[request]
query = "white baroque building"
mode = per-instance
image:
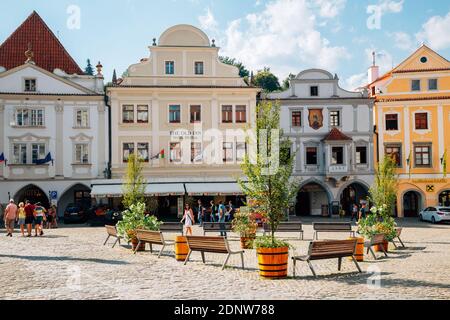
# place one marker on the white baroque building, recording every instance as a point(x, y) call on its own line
point(46, 112)
point(331, 131)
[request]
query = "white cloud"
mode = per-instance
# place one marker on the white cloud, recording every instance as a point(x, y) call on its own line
point(330, 8)
point(435, 32)
point(283, 36)
point(356, 81)
point(391, 6)
point(403, 40)
point(208, 21)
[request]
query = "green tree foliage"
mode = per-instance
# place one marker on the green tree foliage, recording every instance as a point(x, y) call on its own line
point(266, 80)
point(243, 72)
point(89, 70)
point(134, 182)
point(270, 187)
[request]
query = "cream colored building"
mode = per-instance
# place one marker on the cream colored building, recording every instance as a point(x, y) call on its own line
point(184, 103)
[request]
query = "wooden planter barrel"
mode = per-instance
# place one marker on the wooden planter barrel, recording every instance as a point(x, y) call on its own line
point(134, 243)
point(181, 248)
point(359, 252)
point(385, 245)
point(273, 262)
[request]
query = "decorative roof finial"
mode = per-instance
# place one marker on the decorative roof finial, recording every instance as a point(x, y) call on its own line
point(29, 54)
point(114, 78)
point(99, 69)
point(213, 43)
point(154, 42)
point(373, 59)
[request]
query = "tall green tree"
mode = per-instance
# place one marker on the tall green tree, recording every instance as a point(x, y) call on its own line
point(243, 71)
point(266, 80)
point(89, 70)
point(134, 182)
point(268, 171)
point(384, 189)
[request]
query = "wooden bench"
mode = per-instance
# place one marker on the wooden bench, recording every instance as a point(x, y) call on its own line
point(211, 245)
point(152, 238)
point(216, 227)
point(168, 227)
point(377, 240)
point(399, 233)
point(286, 227)
point(332, 227)
point(112, 232)
point(323, 250)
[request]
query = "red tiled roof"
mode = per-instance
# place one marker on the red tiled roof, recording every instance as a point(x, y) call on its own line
point(336, 135)
point(49, 53)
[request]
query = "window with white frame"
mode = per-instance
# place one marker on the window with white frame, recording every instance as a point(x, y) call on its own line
point(19, 153)
point(81, 153)
point(175, 113)
point(227, 152)
point(199, 68)
point(432, 84)
point(335, 118)
point(196, 113)
point(241, 114)
point(30, 85)
point(337, 155)
point(227, 114)
point(175, 152)
point(128, 113)
point(196, 152)
point(26, 117)
point(143, 151)
point(82, 118)
point(142, 113)
point(128, 149)
point(170, 67)
point(361, 155)
point(241, 151)
point(37, 152)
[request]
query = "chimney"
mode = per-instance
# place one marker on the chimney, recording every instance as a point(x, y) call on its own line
point(374, 70)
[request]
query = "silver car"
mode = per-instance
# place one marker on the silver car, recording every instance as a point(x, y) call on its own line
point(435, 214)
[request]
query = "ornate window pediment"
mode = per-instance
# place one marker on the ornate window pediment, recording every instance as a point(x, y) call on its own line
point(81, 138)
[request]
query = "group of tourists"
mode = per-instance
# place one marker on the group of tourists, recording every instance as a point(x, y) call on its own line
point(29, 216)
point(359, 213)
point(215, 213)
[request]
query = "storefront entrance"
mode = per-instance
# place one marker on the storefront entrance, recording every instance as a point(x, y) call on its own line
point(312, 200)
point(353, 194)
point(444, 198)
point(33, 194)
point(412, 204)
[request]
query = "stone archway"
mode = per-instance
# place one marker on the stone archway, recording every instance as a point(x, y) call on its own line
point(78, 194)
point(351, 194)
point(444, 198)
point(34, 194)
point(312, 199)
point(412, 203)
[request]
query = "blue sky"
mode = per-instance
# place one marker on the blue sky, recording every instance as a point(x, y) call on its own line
point(286, 35)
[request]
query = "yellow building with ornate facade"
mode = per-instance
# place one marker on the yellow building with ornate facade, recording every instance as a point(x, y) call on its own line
point(412, 117)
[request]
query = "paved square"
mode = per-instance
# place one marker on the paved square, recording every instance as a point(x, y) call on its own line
point(71, 263)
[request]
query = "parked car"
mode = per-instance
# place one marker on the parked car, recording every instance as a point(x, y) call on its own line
point(74, 214)
point(435, 214)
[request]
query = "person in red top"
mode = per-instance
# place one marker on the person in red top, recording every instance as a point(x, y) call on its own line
point(29, 217)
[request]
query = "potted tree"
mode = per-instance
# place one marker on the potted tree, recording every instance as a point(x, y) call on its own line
point(382, 195)
point(268, 169)
point(245, 225)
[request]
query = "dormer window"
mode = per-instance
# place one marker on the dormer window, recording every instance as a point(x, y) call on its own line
point(198, 66)
point(314, 90)
point(30, 85)
point(170, 67)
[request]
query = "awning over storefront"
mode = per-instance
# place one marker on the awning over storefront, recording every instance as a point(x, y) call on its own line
point(157, 189)
point(217, 188)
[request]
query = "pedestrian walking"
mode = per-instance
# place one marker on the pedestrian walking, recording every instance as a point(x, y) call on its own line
point(200, 212)
point(21, 217)
point(29, 216)
point(188, 219)
point(355, 210)
point(10, 217)
point(54, 216)
point(212, 217)
point(39, 219)
point(231, 211)
point(221, 217)
point(362, 211)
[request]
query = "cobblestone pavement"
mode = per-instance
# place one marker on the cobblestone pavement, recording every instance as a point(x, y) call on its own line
point(71, 263)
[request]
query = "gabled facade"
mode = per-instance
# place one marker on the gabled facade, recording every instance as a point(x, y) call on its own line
point(53, 123)
point(412, 115)
point(331, 131)
point(185, 104)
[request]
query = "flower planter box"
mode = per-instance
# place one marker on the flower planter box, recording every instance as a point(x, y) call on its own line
point(247, 242)
point(273, 262)
point(134, 244)
point(385, 245)
point(181, 248)
point(359, 252)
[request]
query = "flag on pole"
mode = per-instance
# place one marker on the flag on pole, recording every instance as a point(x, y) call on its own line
point(2, 158)
point(162, 154)
point(444, 163)
point(47, 159)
